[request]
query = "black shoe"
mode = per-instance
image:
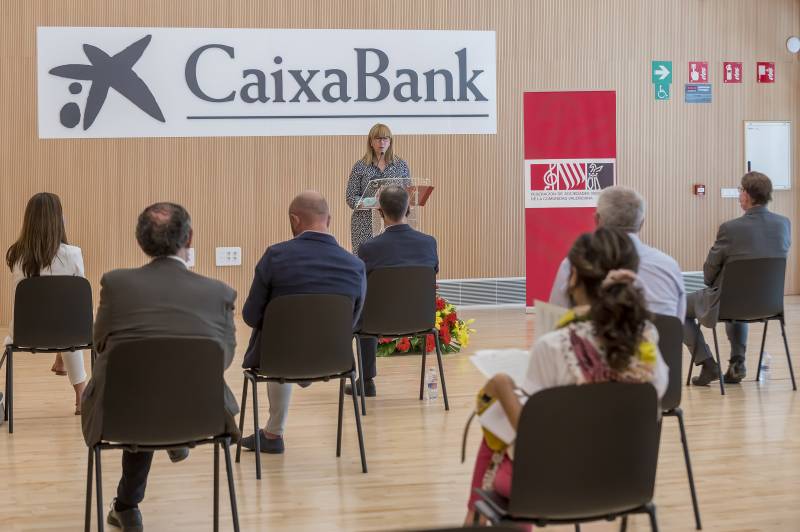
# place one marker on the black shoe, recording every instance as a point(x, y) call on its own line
point(268, 445)
point(709, 373)
point(128, 520)
point(736, 372)
point(178, 455)
point(369, 388)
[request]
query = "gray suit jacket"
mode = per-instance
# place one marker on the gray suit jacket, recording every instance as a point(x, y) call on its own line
point(756, 234)
point(162, 298)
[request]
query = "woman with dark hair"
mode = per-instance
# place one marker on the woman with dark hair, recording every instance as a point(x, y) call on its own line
point(605, 336)
point(379, 162)
point(42, 249)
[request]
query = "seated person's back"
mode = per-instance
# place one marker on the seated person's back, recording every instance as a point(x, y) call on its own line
point(398, 245)
point(310, 263)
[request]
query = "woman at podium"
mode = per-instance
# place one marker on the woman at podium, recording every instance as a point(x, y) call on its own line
point(379, 162)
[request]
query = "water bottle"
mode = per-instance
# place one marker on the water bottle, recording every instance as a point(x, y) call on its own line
point(766, 362)
point(431, 384)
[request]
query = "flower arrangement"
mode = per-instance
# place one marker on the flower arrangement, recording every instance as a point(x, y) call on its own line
point(453, 334)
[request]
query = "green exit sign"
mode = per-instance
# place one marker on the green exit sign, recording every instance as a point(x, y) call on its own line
point(662, 71)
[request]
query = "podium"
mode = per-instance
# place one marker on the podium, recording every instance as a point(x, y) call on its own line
point(419, 191)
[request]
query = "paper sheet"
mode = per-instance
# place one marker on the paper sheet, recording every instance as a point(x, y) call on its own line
point(547, 316)
point(514, 362)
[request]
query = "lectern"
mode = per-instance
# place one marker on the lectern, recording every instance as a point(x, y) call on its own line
point(419, 190)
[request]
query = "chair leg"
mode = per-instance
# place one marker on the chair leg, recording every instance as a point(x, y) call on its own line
point(361, 381)
point(698, 337)
point(358, 427)
point(651, 511)
point(231, 489)
point(422, 374)
point(99, 482)
point(719, 366)
point(441, 371)
point(788, 356)
point(695, 505)
point(87, 521)
point(623, 526)
point(256, 427)
point(10, 390)
point(216, 486)
point(761, 353)
point(241, 422)
point(339, 425)
point(577, 527)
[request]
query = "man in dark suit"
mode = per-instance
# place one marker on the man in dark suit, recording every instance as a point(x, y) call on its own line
point(398, 245)
point(162, 298)
point(310, 263)
point(759, 233)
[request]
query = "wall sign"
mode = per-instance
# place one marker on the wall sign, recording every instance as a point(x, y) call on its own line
point(697, 93)
point(731, 72)
point(662, 79)
point(698, 72)
point(193, 82)
point(765, 72)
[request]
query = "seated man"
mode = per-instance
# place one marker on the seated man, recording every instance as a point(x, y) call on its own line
point(162, 298)
point(310, 263)
point(659, 275)
point(398, 245)
point(756, 234)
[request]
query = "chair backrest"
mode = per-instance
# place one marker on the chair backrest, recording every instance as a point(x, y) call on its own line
point(400, 300)
point(670, 344)
point(307, 336)
point(162, 391)
point(585, 450)
point(752, 289)
point(53, 311)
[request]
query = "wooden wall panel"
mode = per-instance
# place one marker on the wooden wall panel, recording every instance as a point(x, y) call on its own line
point(237, 189)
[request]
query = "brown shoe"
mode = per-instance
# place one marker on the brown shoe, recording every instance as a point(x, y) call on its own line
point(736, 372)
point(709, 372)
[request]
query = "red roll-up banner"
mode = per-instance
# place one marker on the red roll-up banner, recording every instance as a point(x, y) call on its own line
point(570, 156)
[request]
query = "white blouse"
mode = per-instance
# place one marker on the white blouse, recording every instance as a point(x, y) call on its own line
point(68, 261)
point(553, 361)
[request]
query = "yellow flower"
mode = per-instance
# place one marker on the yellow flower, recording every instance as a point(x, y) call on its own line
point(647, 352)
point(568, 317)
point(439, 320)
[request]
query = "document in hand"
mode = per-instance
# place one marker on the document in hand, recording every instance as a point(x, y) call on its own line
point(490, 362)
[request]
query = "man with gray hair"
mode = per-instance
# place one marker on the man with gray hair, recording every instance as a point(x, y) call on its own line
point(623, 208)
point(162, 298)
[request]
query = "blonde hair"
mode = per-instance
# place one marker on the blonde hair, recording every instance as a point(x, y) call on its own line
point(379, 130)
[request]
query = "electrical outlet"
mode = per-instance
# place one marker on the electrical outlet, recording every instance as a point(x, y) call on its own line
point(229, 256)
point(190, 258)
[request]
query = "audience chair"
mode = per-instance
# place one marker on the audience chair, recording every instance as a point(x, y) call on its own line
point(160, 394)
point(51, 314)
point(752, 292)
point(401, 302)
point(582, 453)
point(670, 344)
point(289, 354)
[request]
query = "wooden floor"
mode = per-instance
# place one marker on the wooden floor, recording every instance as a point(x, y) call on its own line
point(745, 450)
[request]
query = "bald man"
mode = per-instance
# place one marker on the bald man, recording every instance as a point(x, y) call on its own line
point(310, 263)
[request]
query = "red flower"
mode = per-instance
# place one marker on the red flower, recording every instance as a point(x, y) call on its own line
point(430, 343)
point(451, 318)
point(403, 345)
point(440, 304)
point(384, 341)
point(444, 334)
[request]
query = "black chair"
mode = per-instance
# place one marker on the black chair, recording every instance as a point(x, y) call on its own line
point(582, 453)
point(401, 302)
point(670, 344)
point(163, 393)
point(289, 354)
point(51, 314)
point(752, 292)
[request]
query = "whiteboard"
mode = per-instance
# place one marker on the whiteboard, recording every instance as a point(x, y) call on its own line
point(767, 149)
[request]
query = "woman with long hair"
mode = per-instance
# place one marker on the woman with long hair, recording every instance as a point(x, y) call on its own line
point(42, 249)
point(605, 336)
point(379, 162)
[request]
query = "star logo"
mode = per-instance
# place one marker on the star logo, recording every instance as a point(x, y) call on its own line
point(107, 72)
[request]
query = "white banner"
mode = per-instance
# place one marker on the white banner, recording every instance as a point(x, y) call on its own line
point(194, 82)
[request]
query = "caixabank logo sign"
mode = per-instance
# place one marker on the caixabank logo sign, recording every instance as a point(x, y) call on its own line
point(162, 82)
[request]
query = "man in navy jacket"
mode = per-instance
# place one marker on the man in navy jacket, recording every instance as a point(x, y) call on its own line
point(310, 263)
point(398, 245)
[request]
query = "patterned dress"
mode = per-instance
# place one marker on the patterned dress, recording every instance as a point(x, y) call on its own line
point(361, 225)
